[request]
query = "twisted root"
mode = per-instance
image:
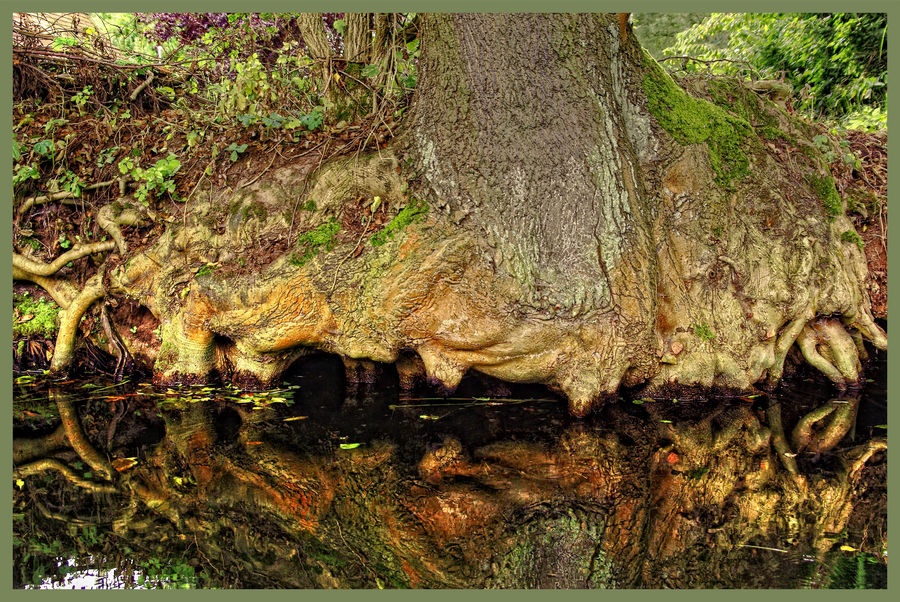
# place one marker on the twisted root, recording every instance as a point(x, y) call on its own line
point(120, 213)
point(69, 319)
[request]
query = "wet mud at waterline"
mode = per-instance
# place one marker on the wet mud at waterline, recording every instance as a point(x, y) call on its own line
point(330, 481)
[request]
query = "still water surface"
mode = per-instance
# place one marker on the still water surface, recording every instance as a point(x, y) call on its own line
point(321, 484)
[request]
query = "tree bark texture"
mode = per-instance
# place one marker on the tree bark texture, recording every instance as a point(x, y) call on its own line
point(556, 210)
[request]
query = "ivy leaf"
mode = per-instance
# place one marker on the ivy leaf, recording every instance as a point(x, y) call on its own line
point(45, 148)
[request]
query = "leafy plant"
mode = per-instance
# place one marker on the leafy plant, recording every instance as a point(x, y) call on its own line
point(81, 98)
point(157, 180)
point(45, 148)
point(836, 62)
point(235, 150)
point(24, 173)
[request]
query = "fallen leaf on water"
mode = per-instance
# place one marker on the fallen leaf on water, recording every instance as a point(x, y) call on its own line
point(121, 464)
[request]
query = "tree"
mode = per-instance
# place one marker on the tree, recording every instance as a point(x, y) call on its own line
point(555, 209)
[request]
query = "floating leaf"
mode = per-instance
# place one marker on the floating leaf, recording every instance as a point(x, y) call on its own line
point(349, 445)
point(121, 464)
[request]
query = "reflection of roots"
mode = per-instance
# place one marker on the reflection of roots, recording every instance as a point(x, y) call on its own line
point(855, 458)
point(842, 413)
point(45, 464)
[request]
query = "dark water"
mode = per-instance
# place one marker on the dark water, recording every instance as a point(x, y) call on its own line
point(321, 483)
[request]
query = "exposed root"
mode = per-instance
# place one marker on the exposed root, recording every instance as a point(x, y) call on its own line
point(39, 268)
point(65, 197)
point(62, 291)
point(45, 464)
point(69, 319)
point(115, 215)
point(116, 345)
point(866, 325)
point(784, 344)
point(807, 342)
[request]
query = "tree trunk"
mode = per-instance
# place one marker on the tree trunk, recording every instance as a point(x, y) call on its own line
point(556, 210)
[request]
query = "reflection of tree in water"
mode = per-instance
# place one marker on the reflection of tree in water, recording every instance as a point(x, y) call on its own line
point(730, 498)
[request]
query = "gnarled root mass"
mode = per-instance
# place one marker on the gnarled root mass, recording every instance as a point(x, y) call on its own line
point(714, 288)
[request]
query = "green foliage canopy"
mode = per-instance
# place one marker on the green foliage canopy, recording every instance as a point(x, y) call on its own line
point(836, 62)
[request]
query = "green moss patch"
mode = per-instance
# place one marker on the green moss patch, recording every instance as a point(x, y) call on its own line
point(34, 317)
point(854, 237)
point(827, 192)
point(693, 121)
point(408, 215)
point(310, 243)
point(704, 332)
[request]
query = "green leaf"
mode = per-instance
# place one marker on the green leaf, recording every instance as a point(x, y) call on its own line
point(340, 25)
point(349, 445)
point(413, 46)
point(371, 70)
point(45, 148)
point(17, 154)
